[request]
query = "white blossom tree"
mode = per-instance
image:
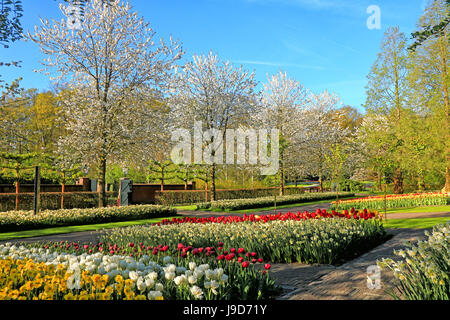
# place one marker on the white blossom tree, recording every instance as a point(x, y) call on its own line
point(283, 107)
point(323, 131)
point(219, 96)
point(113, 64)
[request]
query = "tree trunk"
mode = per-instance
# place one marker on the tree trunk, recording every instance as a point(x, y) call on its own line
point(443, 49)
point(213, 182)
point(380, 187)
point(102, 184)
point(17, 195)
point(320, 178)
point(398, 181)
point(281, 176)
point(63, 187)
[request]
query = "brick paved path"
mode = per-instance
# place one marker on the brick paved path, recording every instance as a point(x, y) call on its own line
point(345, 282)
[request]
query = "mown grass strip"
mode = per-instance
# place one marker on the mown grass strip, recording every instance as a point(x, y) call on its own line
point(417, 223)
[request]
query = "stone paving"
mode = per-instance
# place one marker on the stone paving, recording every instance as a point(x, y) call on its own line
point(345, 282)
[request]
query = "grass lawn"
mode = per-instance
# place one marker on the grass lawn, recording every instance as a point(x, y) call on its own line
point(419, 209)
point(418, 223)
point(69, 229)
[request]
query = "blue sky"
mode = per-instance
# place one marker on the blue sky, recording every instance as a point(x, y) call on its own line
point(324, 44)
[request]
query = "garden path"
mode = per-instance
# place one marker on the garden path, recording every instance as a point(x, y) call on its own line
point(345, 282)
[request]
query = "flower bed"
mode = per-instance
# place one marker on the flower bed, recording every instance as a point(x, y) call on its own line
point(287, 239)
point(394, 201)
point(424, 272)
point(352, 214)
point(26, 220)
point(38, 273)
point(241, 204)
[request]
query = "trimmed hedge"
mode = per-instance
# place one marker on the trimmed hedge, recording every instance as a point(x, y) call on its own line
point(26, 220)
point(242, 204)
point(170, 198)
point(52, 201)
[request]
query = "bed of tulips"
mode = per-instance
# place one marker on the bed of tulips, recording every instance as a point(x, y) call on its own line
point(278, 238)
point(39, 273)
point(394, 201)
point(423, 273)
point(27, 220)
point(318, 214)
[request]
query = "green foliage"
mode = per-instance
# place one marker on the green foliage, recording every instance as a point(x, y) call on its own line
point(351, 186)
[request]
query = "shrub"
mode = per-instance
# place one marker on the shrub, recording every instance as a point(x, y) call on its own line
point(242, 204)
point(351, 186)
point(26, 220)
point(52, 200)
point(424, 272)
point(170, 198)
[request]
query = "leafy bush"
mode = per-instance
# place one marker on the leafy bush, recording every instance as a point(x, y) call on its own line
point(424, 272)
point(52, 201)
point(242, 204)
point(351, 186)
point(26, 220)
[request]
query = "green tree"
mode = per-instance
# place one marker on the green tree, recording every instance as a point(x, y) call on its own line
point(386, 93)
point(429, 81)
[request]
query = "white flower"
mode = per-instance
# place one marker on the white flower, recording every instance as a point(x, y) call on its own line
point(192, 266)
point(155, 295)
point(192, 280)
point(213, 285)
point(133, 275)
point(159, 287)
point(149, 283)
point(197, 292)
point(152, 275)
point(140, 284)
point(169, 275)
point(210, 274)
point(180, 280)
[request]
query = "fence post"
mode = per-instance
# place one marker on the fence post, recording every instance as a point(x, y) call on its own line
point(17, 195)
point(37, 187)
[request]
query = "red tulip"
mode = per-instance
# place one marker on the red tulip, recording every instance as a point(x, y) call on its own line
point(245, 264)
point(267, 266)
